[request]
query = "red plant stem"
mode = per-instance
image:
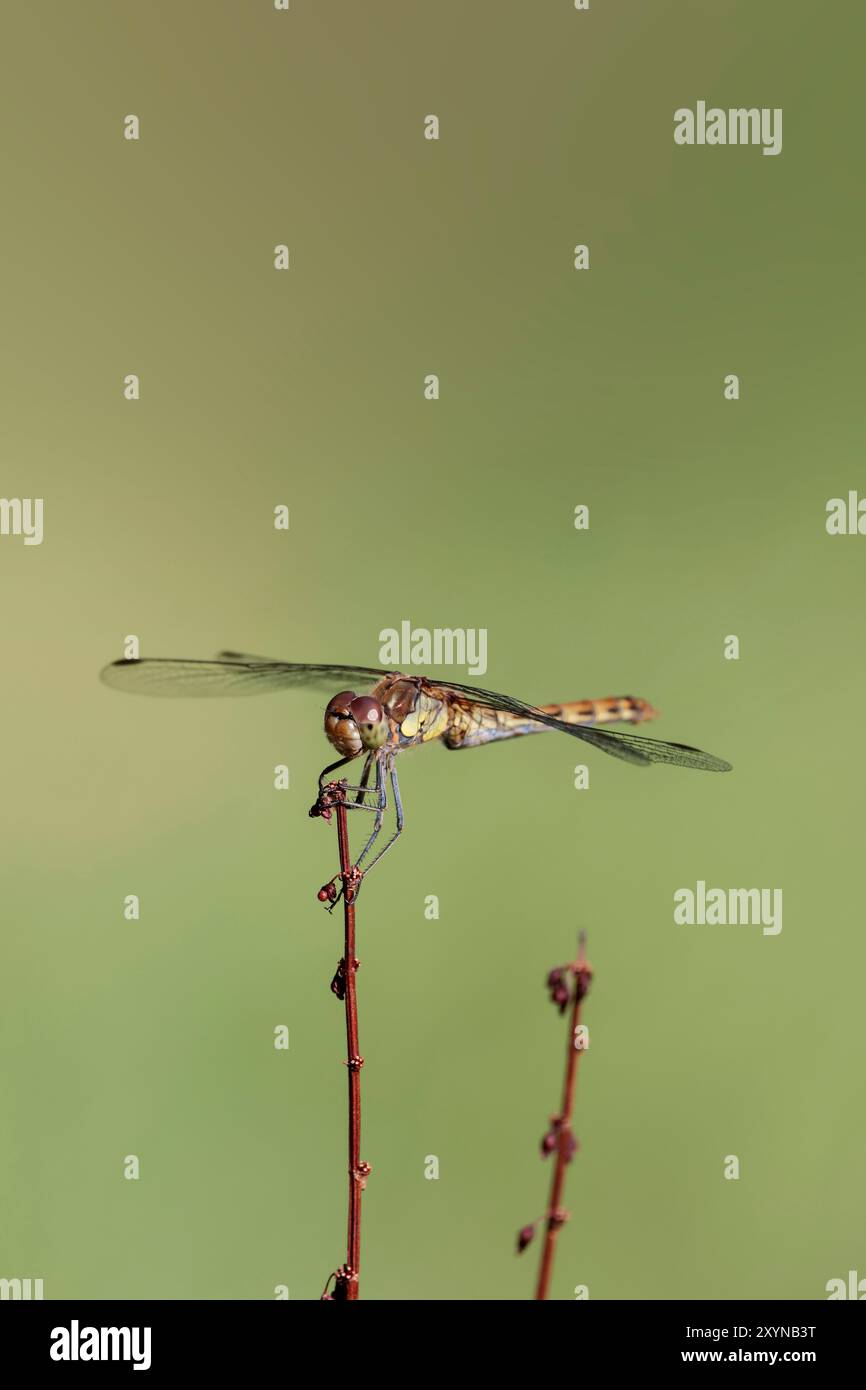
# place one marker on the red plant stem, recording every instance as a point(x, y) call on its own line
point(556, 1216)
point(354, 1061)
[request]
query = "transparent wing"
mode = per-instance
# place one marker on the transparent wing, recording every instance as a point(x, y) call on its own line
point(632, 748)
point(230, 674)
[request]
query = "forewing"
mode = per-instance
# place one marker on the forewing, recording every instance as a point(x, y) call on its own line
point(632, 748)
point(230, 674)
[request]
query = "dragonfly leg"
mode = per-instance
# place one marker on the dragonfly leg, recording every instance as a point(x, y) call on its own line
point(365, 777)
point(398, 811)
point(341, 762)
point(325, 800)
point(359, 804)
point(324, 805)
point(381, 802)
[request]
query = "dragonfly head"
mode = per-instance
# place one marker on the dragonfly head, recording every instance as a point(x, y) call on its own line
point(354, 723)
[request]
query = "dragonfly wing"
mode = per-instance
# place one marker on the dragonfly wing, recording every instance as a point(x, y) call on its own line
point(230, 674)
point(632, 748)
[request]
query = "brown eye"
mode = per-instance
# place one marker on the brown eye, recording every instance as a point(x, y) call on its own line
point(370, 722)
point(340, 704)
point(365, 710)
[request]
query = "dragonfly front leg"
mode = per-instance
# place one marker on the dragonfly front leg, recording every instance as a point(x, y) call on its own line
point(332, 767)
point(362, 787)
point(359, 804)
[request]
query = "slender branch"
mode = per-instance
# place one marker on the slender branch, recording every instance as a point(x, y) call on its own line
point(347, 1278)
point(560, 1138)
point(354, 1061)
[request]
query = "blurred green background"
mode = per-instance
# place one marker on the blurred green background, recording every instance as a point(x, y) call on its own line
point(306, 388)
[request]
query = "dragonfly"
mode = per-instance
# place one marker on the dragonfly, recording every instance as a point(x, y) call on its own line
point(404, 711)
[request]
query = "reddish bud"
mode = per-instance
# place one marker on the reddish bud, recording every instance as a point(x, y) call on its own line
point(583, 975)
point(524, 1238)
point(558, 987)
point(338, 984)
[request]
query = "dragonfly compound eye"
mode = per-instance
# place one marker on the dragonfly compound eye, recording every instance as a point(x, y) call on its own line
point(340, 727)
point(369, 716)
point(341, 704)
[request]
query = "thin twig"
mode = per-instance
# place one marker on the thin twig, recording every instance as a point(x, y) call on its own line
point(560, 1138)
point(347, 1277)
